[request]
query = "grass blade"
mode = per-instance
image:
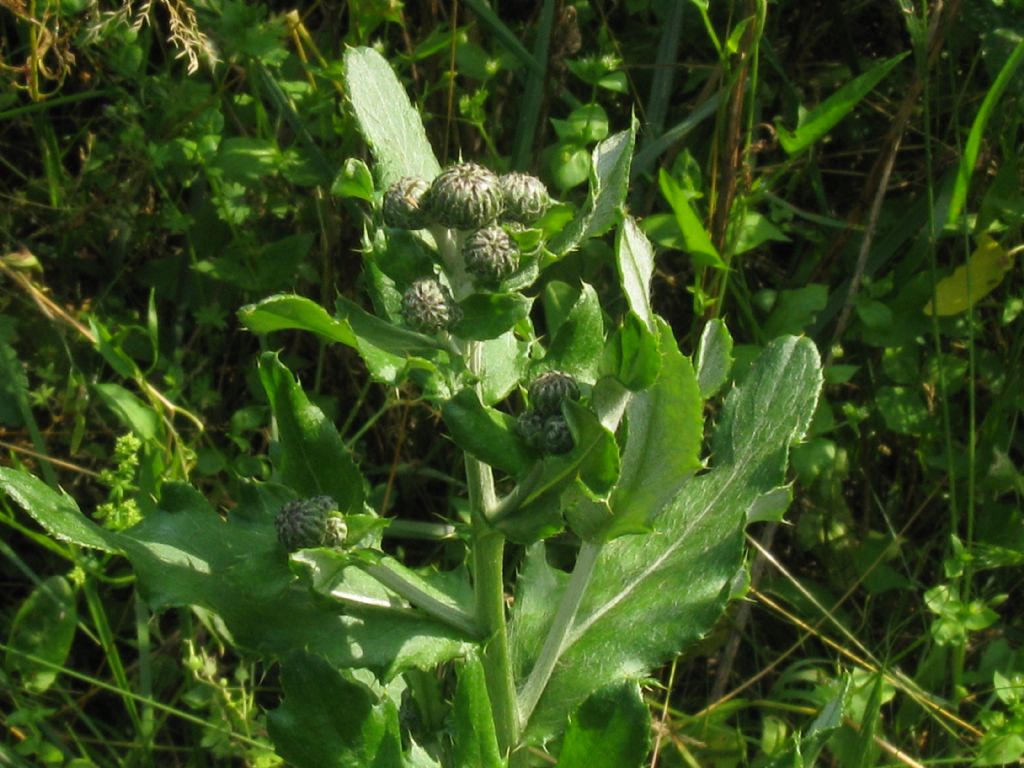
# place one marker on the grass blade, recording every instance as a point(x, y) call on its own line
point(827, 115)
point(970, 155)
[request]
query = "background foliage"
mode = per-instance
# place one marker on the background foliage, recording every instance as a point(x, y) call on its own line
point(849, 171)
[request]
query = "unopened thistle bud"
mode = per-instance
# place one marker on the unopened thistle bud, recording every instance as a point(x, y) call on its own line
point(428, 306)
point(556, 437)
point(549, 390)
point(314, 522)
point(465, 196)
point(490, 255)
point(405, 204)
point(526, 197)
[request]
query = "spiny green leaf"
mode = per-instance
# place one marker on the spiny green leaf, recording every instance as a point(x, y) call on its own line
point(652, 595)
point(390, 124)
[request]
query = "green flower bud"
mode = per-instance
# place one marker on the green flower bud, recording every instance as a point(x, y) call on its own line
point(405, 204)
point(526, 197)
point(530, 427)
point(556, 437)
point(549, 390)
point(428, 306)
point(314, 522)
point(465, 196)
point(490, 254)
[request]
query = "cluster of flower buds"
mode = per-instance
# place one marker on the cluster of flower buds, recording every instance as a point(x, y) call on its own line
point(543, 425)
point(469, 198)
point(313, 522)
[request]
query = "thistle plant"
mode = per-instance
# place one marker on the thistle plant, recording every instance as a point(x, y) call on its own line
point(571, 421)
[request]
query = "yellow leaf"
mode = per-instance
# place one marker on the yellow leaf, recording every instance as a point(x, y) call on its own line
point(986, 268)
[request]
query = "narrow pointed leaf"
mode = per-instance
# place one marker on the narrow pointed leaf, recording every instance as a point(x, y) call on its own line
point(824, 117)
point(476, 741)
point(634, 256)
point(714, 358)
point(609, 179)
point(56, 512)
point(291, 312)
point(313, 458)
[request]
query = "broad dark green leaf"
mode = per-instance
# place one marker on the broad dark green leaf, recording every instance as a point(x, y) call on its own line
point(43, 627)
point(390, 124)
point(663, 444)
point(825, 116)
point(796, 309)
point(609, 181)
point(313, 459)
point(328, 720)
point(186, 554)
point(611, 729)
point(577, 344)
point(652, 595)
point(489, 315)
point(634, 256)
point(486, 434)
point(476, 742)
point(714, 358)
point(290, 312)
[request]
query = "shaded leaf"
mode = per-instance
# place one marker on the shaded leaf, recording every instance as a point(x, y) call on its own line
point(611, 729)
point(663, 444)
point(486, 434)
point(577, 344)
point(328, 720)
point(43, 627)
point(489, 315)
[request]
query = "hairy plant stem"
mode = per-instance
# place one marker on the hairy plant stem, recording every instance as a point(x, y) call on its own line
point(561, 626)
point(489, 591)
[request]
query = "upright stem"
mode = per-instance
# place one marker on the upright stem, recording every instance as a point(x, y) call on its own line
point(489, 587)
